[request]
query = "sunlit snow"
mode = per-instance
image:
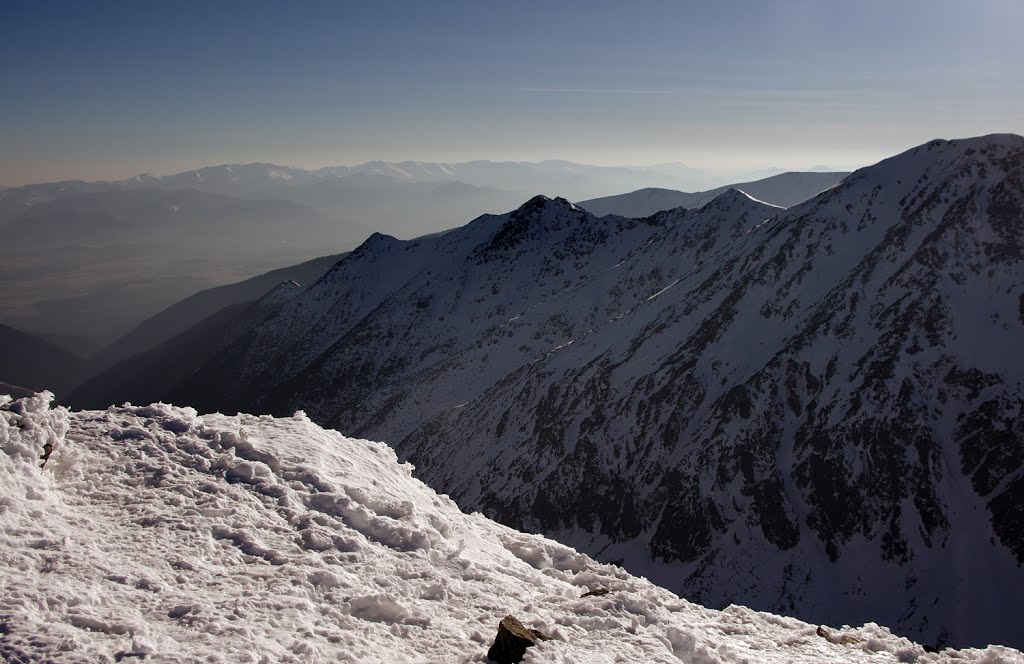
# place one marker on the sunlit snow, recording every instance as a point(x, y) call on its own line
point(155, 533)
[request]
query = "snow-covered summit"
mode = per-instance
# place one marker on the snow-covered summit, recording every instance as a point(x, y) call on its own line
point(733, 197)
point(980, 160)
point(155, 533)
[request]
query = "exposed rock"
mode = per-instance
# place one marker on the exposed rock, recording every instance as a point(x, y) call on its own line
point(596, 592)
point(512, 641)
point(47, 451)
point(838, 639)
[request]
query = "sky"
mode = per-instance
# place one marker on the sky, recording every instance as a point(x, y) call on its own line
point(102, 90)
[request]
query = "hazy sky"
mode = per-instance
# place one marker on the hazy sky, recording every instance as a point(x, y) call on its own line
point(108, 89)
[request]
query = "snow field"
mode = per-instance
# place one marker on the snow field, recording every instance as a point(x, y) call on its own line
point(157, 534)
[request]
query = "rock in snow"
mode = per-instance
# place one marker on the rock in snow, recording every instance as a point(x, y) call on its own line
point(512, 641)
point(157, 534)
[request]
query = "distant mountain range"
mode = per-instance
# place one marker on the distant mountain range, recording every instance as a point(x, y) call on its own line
point(273, 181)
point(815, 410)
point(90, 266)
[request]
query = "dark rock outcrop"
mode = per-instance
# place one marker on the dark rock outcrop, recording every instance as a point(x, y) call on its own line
point(512, 641)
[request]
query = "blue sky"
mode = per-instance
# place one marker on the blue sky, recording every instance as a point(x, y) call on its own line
point(109, 89)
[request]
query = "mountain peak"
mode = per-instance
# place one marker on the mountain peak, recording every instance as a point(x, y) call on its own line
point(532, 220)
point(376, 243)
point(541, 202)
point(732, 197)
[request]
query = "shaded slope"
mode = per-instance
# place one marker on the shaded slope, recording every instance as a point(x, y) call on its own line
point(35, 363)
point(149, 375)
point(821, 417)
point(396, 317)
point(182, 315)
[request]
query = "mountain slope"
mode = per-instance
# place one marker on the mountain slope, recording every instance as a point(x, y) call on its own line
point(153, 533)
point(819, 415)
point(441, 292)
point(785, 190)
point(29, 361)
point(182, 315)
point(149, 374)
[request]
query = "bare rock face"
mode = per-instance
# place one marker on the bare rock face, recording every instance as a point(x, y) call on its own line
point(512, 641)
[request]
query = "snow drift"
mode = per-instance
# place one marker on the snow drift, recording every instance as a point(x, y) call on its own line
point(154, 533)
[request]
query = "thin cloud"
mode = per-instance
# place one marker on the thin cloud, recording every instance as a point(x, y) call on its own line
point(606, 91)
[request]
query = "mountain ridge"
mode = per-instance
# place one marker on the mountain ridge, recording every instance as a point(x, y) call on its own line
point(784, 190)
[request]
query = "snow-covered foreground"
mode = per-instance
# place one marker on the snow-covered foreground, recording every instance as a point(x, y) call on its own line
point(155, 533)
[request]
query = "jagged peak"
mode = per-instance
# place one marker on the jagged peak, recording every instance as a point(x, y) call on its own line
point(533, 219)
point(540, 203)
point(377, 240)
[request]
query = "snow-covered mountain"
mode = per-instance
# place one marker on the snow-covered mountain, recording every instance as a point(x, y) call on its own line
point(813, 410)
point(784, 189)
point(823, 418)
point(157, 534)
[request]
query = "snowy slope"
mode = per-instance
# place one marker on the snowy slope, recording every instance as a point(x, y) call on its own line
point(394, 308)
point(157, 534)
point(825, 417)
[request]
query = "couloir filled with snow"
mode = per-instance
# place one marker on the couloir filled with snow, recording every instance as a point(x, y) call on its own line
point(153, 532)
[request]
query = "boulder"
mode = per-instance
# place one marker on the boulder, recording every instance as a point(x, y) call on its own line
point(512, 641)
